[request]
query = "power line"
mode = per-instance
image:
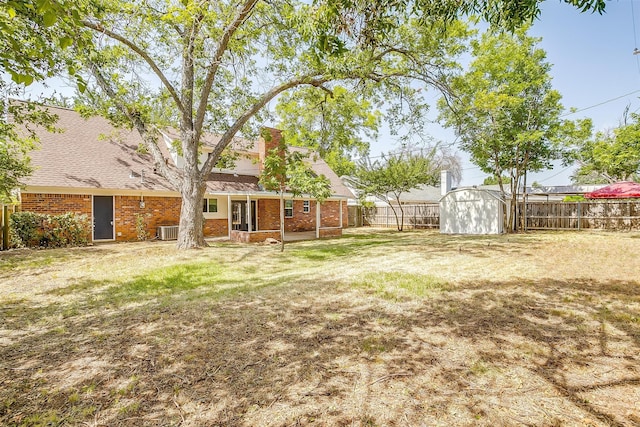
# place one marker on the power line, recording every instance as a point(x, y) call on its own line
point(600, 103)
point(555, 174)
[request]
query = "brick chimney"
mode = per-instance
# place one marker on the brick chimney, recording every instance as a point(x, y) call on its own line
point(270, 138)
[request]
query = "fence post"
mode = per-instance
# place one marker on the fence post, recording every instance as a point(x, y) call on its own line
point(5, 227)
point(579, 215)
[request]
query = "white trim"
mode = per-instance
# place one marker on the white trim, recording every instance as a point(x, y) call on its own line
point(113, 219)
point(249, 214)
point(157, 193)
point(318, 219)
point(285, 208)
point(229, 213)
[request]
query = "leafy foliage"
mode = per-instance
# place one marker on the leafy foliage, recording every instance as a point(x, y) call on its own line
point(15, 146)
point(334, 123)
point(29, 229)
point(398, 172)
point(505, 111)
point(610, 156)
point(286, 170)
point(215, 65)
point(34, 35)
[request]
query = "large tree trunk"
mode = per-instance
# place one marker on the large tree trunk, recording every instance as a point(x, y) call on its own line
point(190, 233)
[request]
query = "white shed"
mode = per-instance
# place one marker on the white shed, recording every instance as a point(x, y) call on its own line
point(472, 211)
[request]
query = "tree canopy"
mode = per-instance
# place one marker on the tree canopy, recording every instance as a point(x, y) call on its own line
point(33, 37)
point(505, 111)
point(609, 156)
point(336, 123)
point(213, 66)
point(398, 172)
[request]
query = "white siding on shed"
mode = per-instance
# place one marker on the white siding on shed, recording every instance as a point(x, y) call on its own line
point(471, 211)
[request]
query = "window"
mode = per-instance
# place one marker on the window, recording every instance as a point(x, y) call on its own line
point(306, 206)
point(288, 208)
point(210, 205)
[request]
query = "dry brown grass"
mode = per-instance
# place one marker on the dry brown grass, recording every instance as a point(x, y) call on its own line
point(374, 329)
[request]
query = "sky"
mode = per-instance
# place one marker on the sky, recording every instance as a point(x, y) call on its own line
point(593, 68)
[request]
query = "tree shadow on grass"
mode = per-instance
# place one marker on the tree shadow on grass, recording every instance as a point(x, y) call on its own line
point(495, 353)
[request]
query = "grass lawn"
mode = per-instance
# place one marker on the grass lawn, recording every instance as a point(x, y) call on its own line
point(377, 328)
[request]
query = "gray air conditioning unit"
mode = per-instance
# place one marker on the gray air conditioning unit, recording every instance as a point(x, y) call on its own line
point(168, 232)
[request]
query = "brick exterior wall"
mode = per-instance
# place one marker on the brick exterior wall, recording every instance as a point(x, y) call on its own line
point(269, 214)
point(157, 211)
point(254, 236)
point(301, 221)
point(330, 212)
point(56, 204)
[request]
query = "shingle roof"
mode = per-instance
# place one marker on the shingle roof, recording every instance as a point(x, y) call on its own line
point(93, 154)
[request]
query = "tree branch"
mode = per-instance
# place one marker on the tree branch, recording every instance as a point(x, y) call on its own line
point(131, 45)
point(243, 14)
point(148, 137)
point(242, 120)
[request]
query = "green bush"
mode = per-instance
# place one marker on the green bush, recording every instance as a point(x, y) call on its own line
point(574, 198)
point(30, 229)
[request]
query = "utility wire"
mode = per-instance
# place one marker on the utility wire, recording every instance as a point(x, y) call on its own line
point(599, 104)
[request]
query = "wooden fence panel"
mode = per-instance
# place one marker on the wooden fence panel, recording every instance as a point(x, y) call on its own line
point(415, 216)
point(603, 215)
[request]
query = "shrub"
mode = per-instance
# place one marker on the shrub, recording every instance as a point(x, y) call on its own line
point(30, 229)
point(24, 229)
point(141, 227)
point(574, 198)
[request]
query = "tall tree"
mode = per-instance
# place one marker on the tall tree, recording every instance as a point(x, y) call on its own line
point(505, 111)
point(401, 171)
point(203, 66)
point(336, 123)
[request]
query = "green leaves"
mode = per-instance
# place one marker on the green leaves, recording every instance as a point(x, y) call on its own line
point(610, 156)
point(334, 123)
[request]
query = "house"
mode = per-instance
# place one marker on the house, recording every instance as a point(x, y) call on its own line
point(95, 169)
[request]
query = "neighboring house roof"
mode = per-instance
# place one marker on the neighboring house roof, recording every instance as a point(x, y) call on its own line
point(423, 194)
point(563, 189)
point(619, 190)
point(91, 153)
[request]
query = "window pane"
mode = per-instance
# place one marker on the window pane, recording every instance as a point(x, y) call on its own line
point(204, 205)
point(288, 208)
point(213, 205)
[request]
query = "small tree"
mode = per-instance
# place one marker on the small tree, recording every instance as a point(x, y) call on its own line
point(401, 171)
point(285, 171)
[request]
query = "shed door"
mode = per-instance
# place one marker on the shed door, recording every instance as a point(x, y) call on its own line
point(102, 217)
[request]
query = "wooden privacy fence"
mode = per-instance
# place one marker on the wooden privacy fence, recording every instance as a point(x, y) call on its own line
point(605, 215)
point(415, 216)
